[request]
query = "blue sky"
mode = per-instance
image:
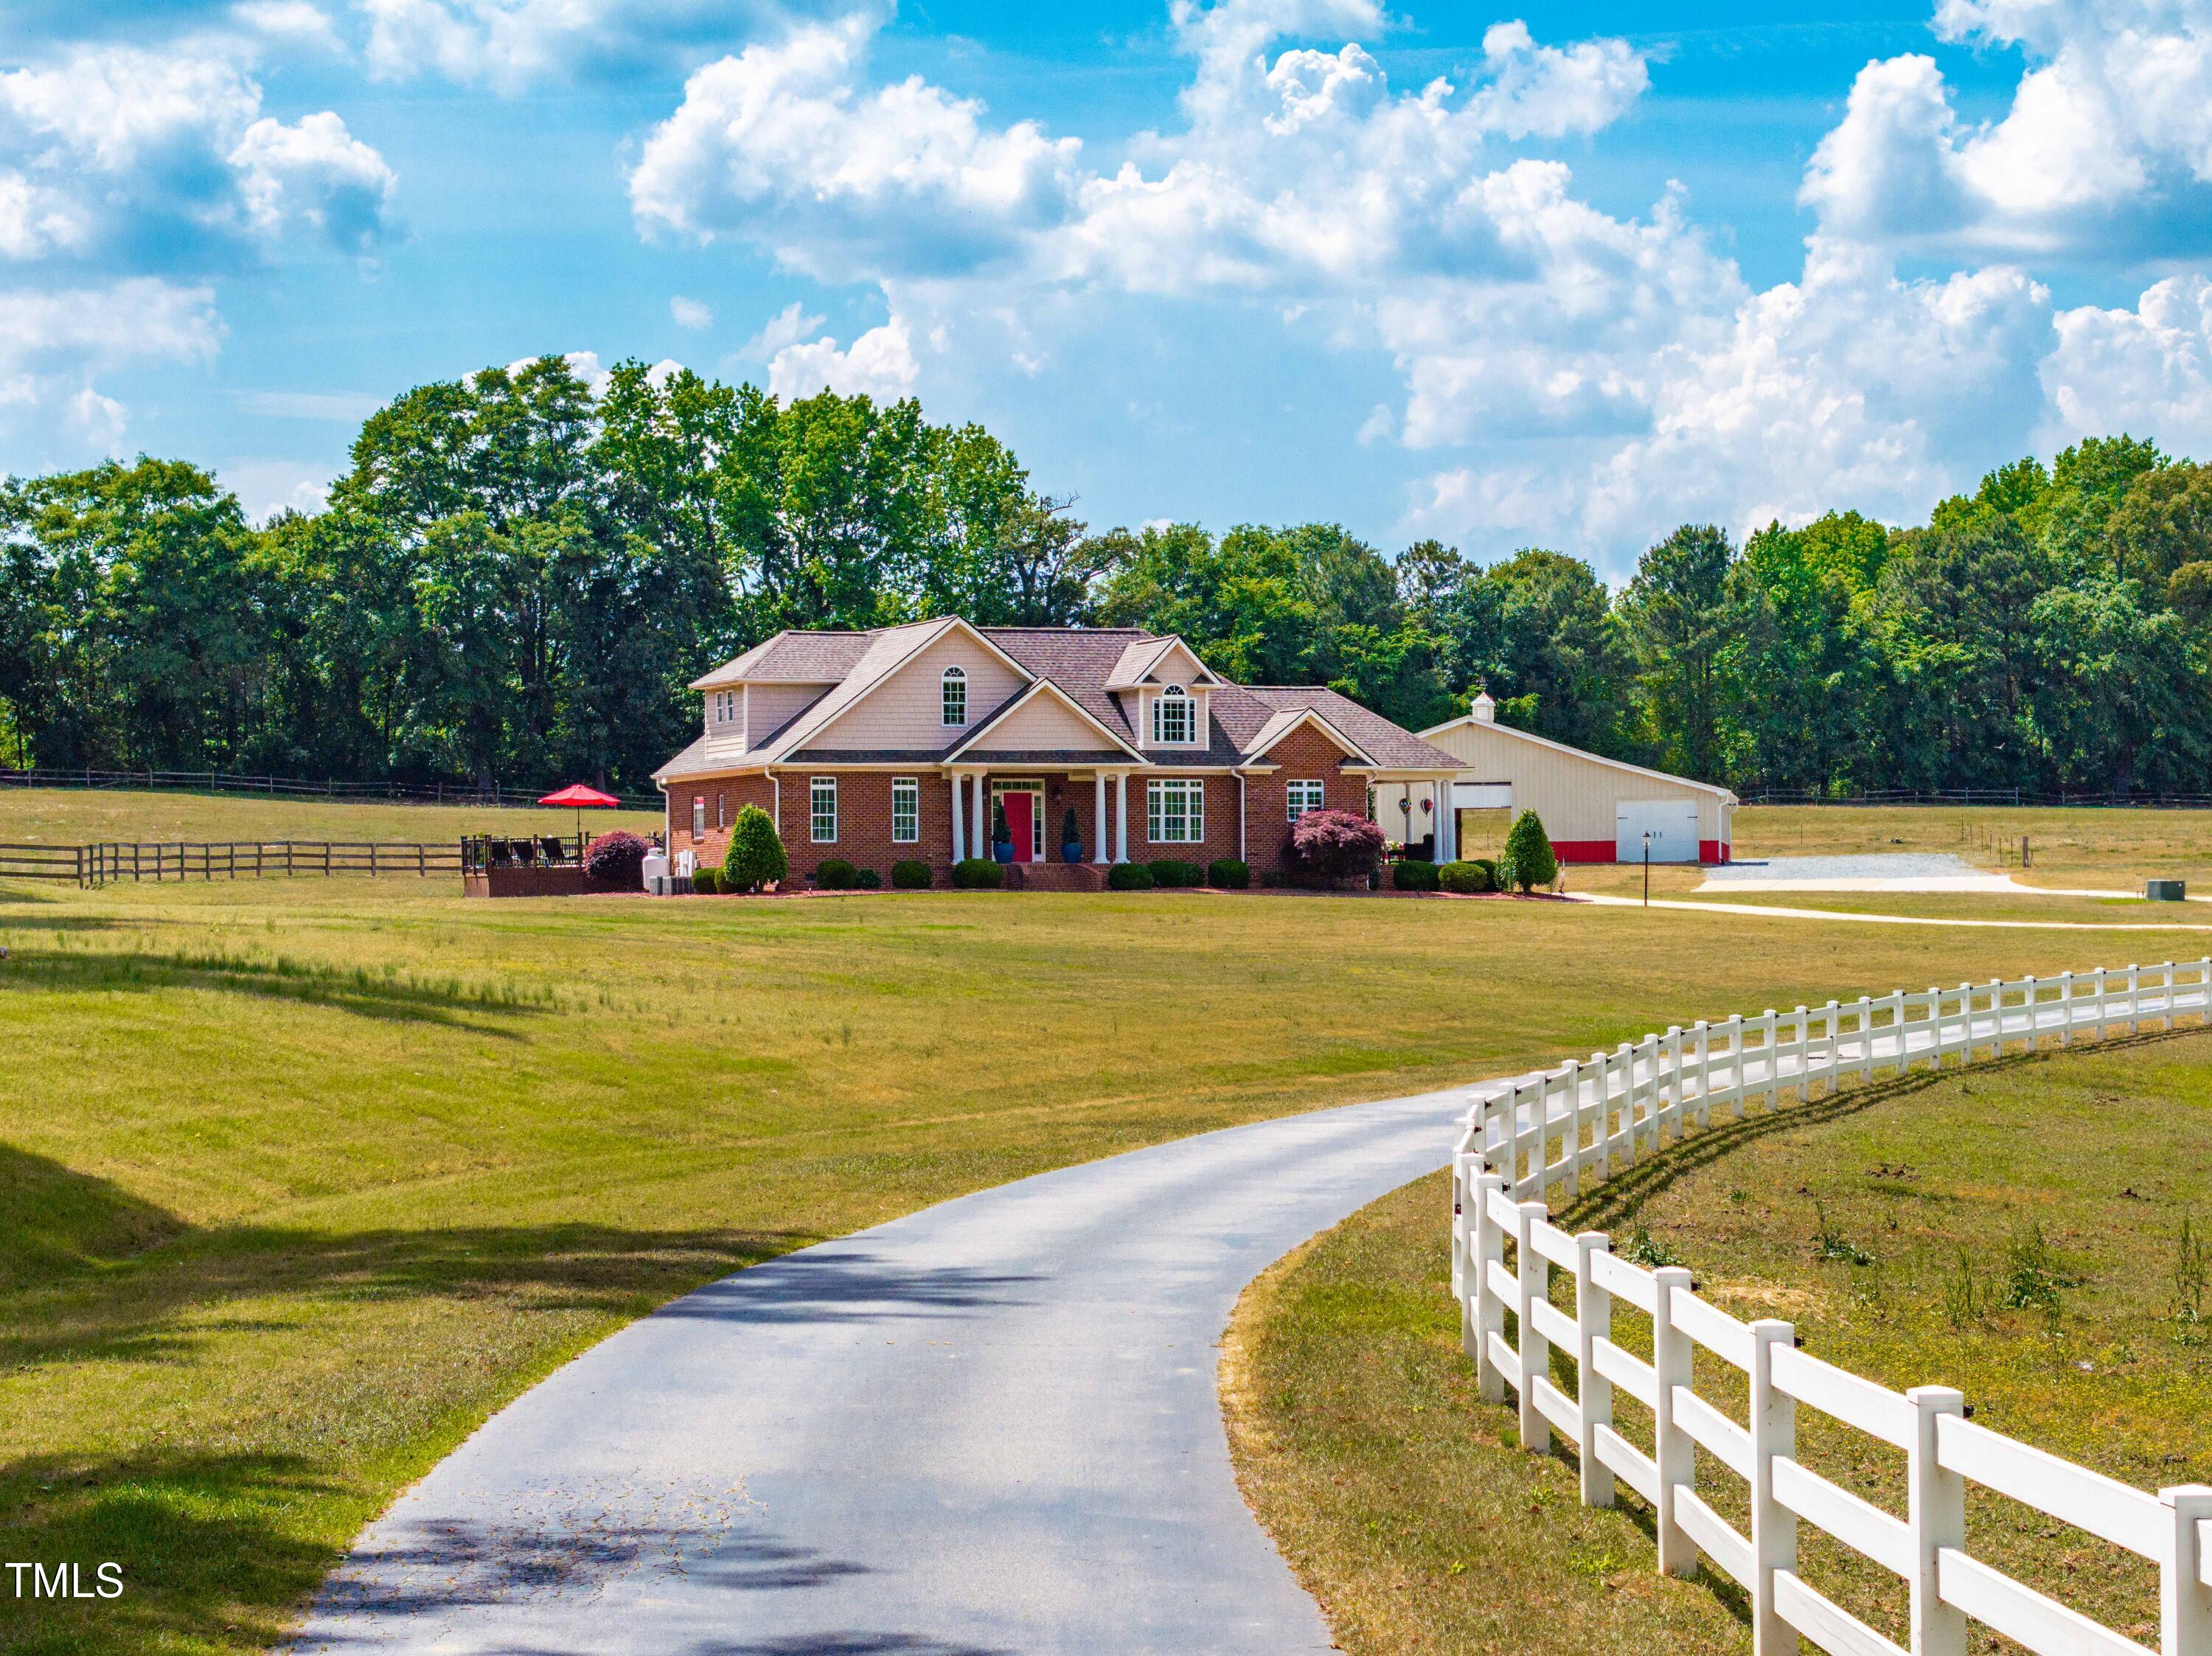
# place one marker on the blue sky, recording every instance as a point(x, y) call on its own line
point(1564, 276)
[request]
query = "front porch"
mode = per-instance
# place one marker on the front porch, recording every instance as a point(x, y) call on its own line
point(1034, 803)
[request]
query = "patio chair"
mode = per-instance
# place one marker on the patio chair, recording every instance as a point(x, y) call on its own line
point(555, 851)
point(499, 853)
point(525, 852)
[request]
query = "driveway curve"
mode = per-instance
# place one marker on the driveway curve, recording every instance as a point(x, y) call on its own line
point(988, 1427)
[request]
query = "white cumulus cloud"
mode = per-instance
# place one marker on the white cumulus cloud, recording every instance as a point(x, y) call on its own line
point(879, 364)
point(53, 345)
point(691, 312)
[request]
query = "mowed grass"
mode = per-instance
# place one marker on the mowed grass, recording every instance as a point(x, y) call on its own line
point(299, 1179)
point(82, 816)
point(2013, 1230)
point(2119, 849)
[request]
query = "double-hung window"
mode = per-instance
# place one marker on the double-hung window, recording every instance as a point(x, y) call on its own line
point(1171, 717)
point(1303, 796)
point(698, 814)
point(1175, 810)
point(821, 809)
point(956, 696)
point(721, 810)
point(906, 810)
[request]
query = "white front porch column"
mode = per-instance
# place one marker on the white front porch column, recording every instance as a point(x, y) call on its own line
point(1447, 825)
point(959, 835)
point(1120, 817)
point(983, 843)
point(1098, 843)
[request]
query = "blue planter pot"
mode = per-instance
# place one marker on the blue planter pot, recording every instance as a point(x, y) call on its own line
point(1071, 851)
point(1003, 851)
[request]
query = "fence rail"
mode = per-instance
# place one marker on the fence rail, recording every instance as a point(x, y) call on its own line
point(1621, 1106)
point(1758, 795)
point(107, 861)
point(404, 794)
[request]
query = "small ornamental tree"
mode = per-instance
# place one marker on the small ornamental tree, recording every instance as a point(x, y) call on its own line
point(1327, 846)
point(616, 862)
point(1529, 854)
point(755, 856)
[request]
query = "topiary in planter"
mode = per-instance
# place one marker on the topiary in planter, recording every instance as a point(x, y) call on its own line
point(1528, 855)
point(755, 856)
point(616, 862)
point(978, 874)
point(1412, 876)
point(1227, 874)
point(835, 873)
point(1468, 879)
point(910, 874)
point(1128, 877)
point(1326, 846)
point(1071, 838)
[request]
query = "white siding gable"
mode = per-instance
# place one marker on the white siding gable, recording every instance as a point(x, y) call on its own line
point(906, 711)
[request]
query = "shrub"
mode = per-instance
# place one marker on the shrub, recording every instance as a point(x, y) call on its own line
point(1227, 874)
point(978, 874)
point(1529, 854)
point(755, 856)
point(1169, 873)
point(910, 874)
point(835, 873)
point(706, 882)
point(1489, 866)
point(616, 862)
point(868, 880)
point(1128, 877)
point(1334, 845)
point(1465, 878)
point(1412, 875)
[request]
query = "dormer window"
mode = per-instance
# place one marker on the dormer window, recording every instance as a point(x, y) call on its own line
point(956, 695)
point(1171, 717)
point(726, 706)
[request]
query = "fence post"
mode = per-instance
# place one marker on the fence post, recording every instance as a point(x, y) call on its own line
point(1669, 1064)
point(1896, 1028)
point(1773, 1421)
point(1604, 1103)
point(1464, 1163)
point(1534, 1281)
point(1835, 1052)
point(1770, 1026)
point(2204, 990)
point(1674, 1452)
point(2169, 994)
point(1593, 1391)
point(1736, 1063)
point(1489, 1310)
point(2034, 1012)
point(1704, 1072)
point(2066, 1009)
point(1866, 1038)
point(1804, 1054)
point(1935, 1513)
point(2184, 1596)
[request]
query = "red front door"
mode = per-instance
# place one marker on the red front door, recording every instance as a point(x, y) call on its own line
point(1021, 823)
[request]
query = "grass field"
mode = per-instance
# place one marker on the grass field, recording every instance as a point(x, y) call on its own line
point(299, 1179)
point(2013, 1230)
point(74, 817)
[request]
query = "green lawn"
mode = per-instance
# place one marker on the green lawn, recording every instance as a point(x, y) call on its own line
point(2013, 1230)
point(80, 816)
point(299, 1179)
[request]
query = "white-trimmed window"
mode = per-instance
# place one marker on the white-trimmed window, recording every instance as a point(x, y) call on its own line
point(698, 816)
point(1171, 717)
point(726, 706)
point(906, 810)
point(956, 695)
point(1303, 796)
point(721, 810)
point(821, 809)
point(1174, 808)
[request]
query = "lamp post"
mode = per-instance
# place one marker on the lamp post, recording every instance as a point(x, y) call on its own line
point(1647, 868)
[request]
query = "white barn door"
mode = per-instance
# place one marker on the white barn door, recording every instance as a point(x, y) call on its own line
point(1672, 823)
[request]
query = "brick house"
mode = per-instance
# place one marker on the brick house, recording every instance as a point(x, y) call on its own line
point(911, 742)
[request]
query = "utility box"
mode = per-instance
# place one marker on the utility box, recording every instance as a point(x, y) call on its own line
point(2166, 891)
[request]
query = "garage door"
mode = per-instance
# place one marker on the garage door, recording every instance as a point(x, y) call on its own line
point(1672, 823)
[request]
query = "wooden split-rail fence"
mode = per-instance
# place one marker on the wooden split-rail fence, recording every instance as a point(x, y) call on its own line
point(1579, 1123)
point(108, 861)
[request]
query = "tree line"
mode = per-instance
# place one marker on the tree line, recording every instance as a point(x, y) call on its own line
point(517, 576)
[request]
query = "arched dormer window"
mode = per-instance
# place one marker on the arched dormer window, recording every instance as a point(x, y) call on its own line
point(956, 695)
point(1171, 720)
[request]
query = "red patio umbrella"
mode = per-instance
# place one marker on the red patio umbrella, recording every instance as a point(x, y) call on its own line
point(579, 796)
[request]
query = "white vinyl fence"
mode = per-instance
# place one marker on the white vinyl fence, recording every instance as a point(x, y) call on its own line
point(1578, 1122)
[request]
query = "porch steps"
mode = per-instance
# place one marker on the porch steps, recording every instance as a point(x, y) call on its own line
point(1055, 877)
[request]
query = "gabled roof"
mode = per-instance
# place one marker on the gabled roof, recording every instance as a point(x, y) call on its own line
point(1136, 662)
point(1531, 737)
point(791, 657)
point(1392, 747)
point(1283, 721)
point(1038, 687)
point(888, 650)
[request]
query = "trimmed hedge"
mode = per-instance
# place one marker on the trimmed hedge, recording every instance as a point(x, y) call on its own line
point(706, 882)
point(868, 880)
point(1227, 874)
point(1169, 873)
point(1128, 877)
point(1412, 876)
point(835, 873)
point(755, 856)
point(910, 874)
point(1468, 879)
point(978, 874)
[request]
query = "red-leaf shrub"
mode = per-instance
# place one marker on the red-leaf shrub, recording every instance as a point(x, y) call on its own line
point(1334, 845)
point(616, 862)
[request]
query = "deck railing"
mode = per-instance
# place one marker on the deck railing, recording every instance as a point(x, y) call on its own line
point(1619, 1106)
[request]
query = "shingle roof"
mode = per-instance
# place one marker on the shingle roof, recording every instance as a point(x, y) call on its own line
point(824, 658)
point(1392, 746)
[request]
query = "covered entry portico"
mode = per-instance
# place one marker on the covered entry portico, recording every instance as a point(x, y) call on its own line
point(1045, 794)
